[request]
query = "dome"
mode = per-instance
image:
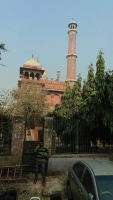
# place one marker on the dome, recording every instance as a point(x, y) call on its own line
point(45, 74)
point(32, 63)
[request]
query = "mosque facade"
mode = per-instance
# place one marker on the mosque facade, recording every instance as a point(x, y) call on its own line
point(32, 70)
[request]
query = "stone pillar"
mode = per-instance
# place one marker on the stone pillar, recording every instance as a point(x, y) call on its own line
point(48, 130)
point(18, 134)
point(18, 138)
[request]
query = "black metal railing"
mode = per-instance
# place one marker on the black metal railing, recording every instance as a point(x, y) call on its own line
point(75, 137)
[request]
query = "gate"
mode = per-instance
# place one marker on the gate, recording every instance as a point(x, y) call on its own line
point(29, 157)
point(31, 140)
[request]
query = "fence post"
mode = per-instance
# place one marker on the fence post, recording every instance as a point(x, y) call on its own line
point(48, 130)
point(77, 136)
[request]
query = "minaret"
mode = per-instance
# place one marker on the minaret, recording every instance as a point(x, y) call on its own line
point(71, 56)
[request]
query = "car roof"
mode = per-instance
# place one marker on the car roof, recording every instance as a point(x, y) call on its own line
point(99, 167)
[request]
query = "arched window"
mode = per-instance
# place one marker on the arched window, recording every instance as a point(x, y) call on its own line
point(32, 75)
point(37, 76)
point(26, 75)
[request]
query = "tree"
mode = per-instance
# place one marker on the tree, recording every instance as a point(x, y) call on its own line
point(6, 102)
point(77, 97)
point(88, 111)
point(65, 113)
point(2, 47)
point(94, 94)
point(30, 100)
point(65, 109)
point(92, 104)
point(108, 102)
point(100, 99)
point(89, 85)
point(100, 76)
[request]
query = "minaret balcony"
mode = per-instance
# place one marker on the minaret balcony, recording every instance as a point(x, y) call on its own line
point(71, 55)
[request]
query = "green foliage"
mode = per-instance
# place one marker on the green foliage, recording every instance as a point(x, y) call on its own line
point(2, 47)
point(94, 95)
point(77, 96)
point(100, 77)
point(30, 100)
point(71, 101)
point(100, 66)
point(65, 109)
point(89, 93)
point(108, 100)
point(100, 100)
point(6, 102)
point(89, 86)
point(92, 104)
point(6, 125)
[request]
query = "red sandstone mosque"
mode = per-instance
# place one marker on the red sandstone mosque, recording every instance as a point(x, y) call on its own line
point(32, 70)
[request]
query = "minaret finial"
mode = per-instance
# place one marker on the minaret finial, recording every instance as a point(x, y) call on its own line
point(32, 55)
point(58, 74)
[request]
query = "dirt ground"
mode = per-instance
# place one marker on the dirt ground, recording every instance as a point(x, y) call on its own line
point(26, 189)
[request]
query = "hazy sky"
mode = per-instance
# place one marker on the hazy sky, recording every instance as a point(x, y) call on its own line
point(40, 27)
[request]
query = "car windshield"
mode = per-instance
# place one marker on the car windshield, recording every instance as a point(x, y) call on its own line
point(105, 187)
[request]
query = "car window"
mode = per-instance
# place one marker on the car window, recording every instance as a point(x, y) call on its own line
point(78, 169)
point(88, 183)
point(105, 183)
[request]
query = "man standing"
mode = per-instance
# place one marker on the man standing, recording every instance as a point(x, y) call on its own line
point(41, 159)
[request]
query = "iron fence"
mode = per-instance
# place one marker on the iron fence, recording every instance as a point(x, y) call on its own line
point(5, 135)
point(64, 139)
point(98, 140)
point(73, 136)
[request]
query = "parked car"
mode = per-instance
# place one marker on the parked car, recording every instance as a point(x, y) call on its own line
point(90, 180)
